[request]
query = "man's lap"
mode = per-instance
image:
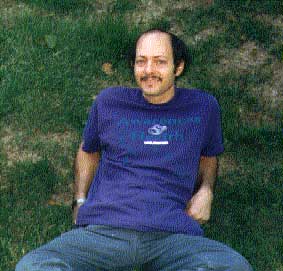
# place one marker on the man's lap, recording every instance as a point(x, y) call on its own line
point(98, 247)
point(82, 249)
point(184, 252)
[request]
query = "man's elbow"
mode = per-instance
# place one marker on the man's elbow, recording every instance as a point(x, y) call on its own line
point(208, 159)
point(88, 155)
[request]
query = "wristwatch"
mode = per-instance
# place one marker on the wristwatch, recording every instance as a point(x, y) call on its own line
point(78, 202)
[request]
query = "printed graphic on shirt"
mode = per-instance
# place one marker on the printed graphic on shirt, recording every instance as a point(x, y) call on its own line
point(157, 129)
point(158, 141)
point(165, 131)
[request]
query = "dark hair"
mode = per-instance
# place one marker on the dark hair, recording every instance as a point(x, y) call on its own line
point(180, 51)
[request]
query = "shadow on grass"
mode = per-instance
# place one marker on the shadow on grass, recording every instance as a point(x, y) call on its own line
point(26, 220)
point(32, 184)
point(247, 213)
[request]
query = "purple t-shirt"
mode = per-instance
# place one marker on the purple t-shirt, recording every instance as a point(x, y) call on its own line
point(150, 156)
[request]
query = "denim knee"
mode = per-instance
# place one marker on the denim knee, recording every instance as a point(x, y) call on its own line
point(239, 263)
point(31, 262)
point(24, 264)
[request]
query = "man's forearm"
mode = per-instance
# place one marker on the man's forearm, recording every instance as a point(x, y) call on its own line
point(207, 173)
point(85, 167)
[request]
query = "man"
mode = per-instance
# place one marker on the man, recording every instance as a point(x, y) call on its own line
point(153, 151)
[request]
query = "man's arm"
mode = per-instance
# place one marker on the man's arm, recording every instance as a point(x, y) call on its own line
point(199, 207)
point(85, 167)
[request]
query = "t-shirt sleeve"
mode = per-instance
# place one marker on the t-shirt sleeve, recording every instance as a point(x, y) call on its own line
point(213, 145)
point(91, 142)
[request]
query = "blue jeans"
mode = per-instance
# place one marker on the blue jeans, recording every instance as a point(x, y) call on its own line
point(98, 247)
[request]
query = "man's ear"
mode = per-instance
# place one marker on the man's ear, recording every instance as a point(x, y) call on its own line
point(180, 68)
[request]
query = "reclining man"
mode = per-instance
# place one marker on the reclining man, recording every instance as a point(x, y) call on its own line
point(145, 173)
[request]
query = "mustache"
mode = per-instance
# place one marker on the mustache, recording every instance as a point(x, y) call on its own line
point(146, 77)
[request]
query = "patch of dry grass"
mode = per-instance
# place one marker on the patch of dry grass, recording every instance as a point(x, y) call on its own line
point(13, 149)
point(271, 92)
point(203, 35)
point(244, 59)
point(58, 148)
point(150, 11)
point(19, 146)
point(11, 10)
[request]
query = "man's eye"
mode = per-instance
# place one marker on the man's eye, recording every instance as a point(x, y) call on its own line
point(139, 62)
point(160, 62)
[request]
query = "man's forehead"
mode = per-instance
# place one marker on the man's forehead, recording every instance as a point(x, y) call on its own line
point(154, 44)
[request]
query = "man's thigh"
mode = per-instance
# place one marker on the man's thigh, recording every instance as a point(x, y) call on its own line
point(83, 249)
point(179, 252)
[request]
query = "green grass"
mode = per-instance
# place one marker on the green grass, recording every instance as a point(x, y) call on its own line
point(51, 56)
point(49, 63)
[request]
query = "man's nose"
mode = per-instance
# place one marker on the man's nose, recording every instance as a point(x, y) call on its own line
point(149, 67)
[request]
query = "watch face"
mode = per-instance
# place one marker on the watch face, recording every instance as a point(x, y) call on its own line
point(80, 201)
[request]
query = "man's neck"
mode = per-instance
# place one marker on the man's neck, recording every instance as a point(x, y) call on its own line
point(161, 99)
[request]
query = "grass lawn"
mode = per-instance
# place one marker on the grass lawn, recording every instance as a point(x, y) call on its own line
point(55, 56)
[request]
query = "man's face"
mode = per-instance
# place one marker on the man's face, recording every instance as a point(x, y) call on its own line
point(154, 64)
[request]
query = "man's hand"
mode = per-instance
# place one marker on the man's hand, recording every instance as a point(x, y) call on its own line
point(199, 207)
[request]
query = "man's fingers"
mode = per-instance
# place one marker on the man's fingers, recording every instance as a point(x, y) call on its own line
point(193, 214)
point(200, 218)
point(202, 221)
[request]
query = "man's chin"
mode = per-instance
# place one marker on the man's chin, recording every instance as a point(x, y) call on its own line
point(150, 92)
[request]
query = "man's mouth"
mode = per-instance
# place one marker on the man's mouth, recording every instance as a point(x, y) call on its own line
point(150, 78)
